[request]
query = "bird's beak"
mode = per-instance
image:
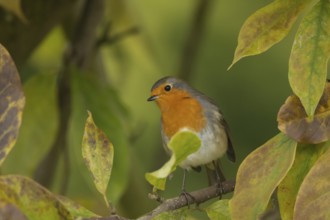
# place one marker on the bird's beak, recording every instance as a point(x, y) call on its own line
point(152, 98)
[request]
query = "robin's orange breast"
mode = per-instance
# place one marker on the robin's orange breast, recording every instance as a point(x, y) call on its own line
point(178, 113)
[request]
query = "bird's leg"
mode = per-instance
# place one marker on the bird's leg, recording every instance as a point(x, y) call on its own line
point(220, 177)
point(183, 189)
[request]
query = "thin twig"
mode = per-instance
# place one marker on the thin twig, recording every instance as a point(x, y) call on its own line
point(107, 40)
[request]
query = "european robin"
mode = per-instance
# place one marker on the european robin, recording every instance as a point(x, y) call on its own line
point(184, 108)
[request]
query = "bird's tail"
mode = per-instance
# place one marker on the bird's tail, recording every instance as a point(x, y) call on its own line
point(214, 173)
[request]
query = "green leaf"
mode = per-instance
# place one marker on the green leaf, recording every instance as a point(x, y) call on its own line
point(9, 211)
point(309, 56)
point(219, 210)
point(33, 200)
point(15, 7)
point(268, 26)
point(182, 144)
point(89, 92)
point(40, 92)
point(12, 103)
point(259, 175)
point(97, 152)
point(313, 198)
point(287, 191)
point(75, 209)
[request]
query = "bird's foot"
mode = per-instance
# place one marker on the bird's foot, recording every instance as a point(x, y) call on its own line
point(220, 190)
point(188, 197)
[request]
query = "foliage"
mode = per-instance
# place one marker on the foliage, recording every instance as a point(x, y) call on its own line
point(303, 117)
point(294, 164)
point(182, 144)
point(98, 153)
point(12, 103)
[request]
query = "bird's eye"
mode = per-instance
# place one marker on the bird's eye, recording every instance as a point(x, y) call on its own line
point(168, 88)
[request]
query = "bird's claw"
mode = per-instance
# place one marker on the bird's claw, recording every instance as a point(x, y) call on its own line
point(186, 195)
point(220, 190)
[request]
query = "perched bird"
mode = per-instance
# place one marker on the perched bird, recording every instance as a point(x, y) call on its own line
point(184, 108)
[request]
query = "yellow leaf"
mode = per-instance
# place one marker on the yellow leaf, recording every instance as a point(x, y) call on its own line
point(309, 56)
point(33, 200)
point(12, 103)
point(259, 175)
point(268, 26)
point(98, 153)
point(287, 191)
point(219, 210)
point(313, 198)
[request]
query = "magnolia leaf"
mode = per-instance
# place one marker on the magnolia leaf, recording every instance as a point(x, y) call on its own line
point(309, 56)
point(294, 122)
point(182, 144)
point(9, 211)
point(259, 175)
point(15, 7)
point(33, 200)
point(90, 92)
point(75, 209)
point(98, 153)
point(40, 93)
point(268, 26)
point(313, 198)
point(219, 210)
point(306, 156)
point(12, 103)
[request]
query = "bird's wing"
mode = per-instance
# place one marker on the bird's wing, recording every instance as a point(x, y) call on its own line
point(230, 149)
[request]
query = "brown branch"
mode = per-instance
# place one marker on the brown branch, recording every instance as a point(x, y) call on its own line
point(194, 39)
point(200, 196)
point(80, 48)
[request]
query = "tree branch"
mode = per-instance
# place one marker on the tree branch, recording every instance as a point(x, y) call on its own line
point(194, 39)
point(200, 196)
point(108, 40)
point(78, 52)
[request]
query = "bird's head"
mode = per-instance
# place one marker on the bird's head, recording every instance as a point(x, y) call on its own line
point(169, 91)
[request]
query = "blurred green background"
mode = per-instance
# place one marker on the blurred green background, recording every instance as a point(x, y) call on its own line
point(249, 94)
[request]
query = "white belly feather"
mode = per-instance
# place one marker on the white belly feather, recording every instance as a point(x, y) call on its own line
point(214, 146)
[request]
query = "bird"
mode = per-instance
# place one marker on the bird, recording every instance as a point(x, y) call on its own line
point(185, 108)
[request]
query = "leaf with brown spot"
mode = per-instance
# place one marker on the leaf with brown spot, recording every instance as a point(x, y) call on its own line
point(313, 198)
point(294, 122)
point(268, 26)
point(12, 103)
point(287, 191)
point(75, 209)
point(259, 175)
point(219, 210)
point(31, 199)
point(309, 56)
point(9, 211)
point(98, 153)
